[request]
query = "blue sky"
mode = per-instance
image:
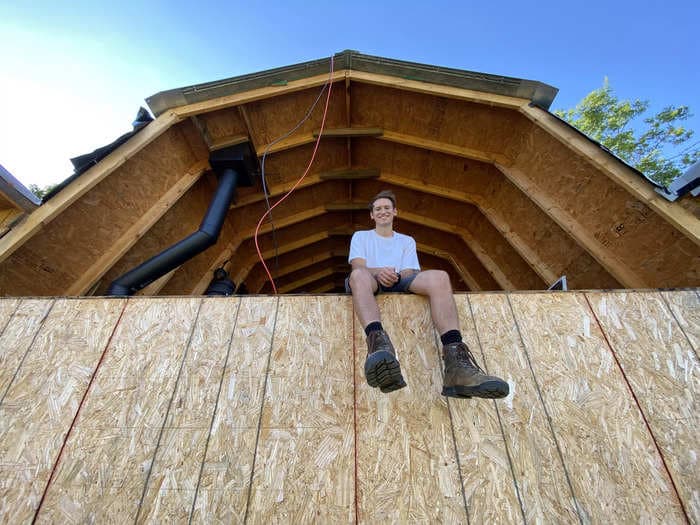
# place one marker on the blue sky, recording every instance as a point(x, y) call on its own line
point(74, 74)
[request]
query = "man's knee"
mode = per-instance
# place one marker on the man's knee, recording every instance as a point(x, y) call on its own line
point(360, 277)
point(439, 280)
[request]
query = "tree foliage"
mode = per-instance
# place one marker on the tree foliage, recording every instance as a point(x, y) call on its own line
point(41, 192)
point(658, 146)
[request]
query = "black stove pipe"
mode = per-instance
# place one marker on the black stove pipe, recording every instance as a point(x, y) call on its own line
point(169, 259)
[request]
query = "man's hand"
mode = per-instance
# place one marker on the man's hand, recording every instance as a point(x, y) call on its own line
point(387, 277)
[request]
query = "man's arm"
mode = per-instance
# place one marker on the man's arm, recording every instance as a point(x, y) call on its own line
point(384, 276)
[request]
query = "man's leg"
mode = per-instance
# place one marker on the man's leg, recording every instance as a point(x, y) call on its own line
point(463, 376)
point(382, 369)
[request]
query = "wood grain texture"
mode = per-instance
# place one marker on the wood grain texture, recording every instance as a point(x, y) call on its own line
point(487, 476)
point(614, 467)
point(685, 307)
point(407, 467)
point(664, 372)
point(107, 459)
point(16, 338)
point(243, 409)
point(537, 466)
point(43, 399)
point(177, 465)
point(304, 461)
point(225, 481)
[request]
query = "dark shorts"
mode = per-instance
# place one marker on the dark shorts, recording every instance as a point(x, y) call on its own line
point(400, 287)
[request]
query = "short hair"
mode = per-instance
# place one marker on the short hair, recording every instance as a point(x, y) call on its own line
point(384, 194)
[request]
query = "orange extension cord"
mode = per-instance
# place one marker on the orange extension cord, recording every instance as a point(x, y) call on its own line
point(308, 167)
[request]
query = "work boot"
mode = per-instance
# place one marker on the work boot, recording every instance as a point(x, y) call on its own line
point(464, 378)
point(382, 369)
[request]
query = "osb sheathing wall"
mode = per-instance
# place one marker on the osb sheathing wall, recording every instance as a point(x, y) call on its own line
point(501, 195)
point(255, 409)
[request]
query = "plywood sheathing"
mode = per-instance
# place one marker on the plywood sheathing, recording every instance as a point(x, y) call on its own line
point(42, 399)
point(297, 259)
point(489, 130)
point(241, 224)
point(182, 219)
point(63, 249)
point(274, 117)
point(467, 222)
point(605, 210)
point(685, 308)
point(230, 408)
point(288, 275)
point(663, 370)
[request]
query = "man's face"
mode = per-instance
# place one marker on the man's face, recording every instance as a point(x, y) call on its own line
point(383, 212)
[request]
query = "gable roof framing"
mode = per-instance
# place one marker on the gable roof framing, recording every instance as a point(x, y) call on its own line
point(500, 192)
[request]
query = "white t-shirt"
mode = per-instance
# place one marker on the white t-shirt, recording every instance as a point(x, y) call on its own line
point(397, 251)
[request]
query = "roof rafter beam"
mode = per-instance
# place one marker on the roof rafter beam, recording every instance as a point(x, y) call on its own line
point(474, 245)
point(253, 95)
point(48, 211)
point(314, 257)
point(137, 230)
point(530, 256)
point(444, 147)
point(306, 280)
point(456, 93)
point(617, 171)
point(571, 226)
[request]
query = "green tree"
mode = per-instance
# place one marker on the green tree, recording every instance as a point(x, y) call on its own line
point(659, 146)
point(41, 192)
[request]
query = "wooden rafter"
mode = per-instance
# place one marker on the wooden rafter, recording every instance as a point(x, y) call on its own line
point(450, 92)
point(136, 231)
point(256, 94)
point(618, 171)
point(306, 280)
point(45, 213)
point(474, 245)
point(507, 230)
point(444, 147)
point(569, 224)
point(243, 112)
point(466, 276)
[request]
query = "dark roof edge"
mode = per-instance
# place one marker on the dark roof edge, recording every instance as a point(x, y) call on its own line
point(537, 92)
point(20, 195)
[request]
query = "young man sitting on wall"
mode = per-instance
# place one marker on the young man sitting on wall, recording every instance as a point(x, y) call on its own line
point(386, 261)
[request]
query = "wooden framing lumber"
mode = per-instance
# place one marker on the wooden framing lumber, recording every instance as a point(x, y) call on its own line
point(256, 94)
point(484, 258)
point(88, 180)
point(306, 280)
point(349, 132)
point(444, 147)
point(156, 286)
point(492, 215)
point(456, 93)
point(618, 172)
point(293, 141)
point(225, 142)
point(585, 239)
point(136, 231)
point(350, 174)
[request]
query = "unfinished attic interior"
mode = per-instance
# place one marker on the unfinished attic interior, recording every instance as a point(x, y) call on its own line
point(496, 190)
point(170, 406)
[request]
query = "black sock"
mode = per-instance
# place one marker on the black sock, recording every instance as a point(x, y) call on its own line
point(371, 327)
point(451, 336)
